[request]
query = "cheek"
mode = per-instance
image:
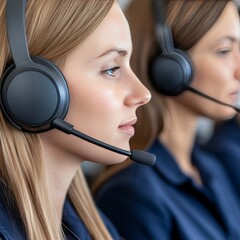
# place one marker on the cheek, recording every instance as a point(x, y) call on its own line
point(211, 79)
point(91, 108)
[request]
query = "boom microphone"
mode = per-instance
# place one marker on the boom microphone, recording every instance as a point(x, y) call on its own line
point(32, 83)
point(193, 90)
point(135, 155)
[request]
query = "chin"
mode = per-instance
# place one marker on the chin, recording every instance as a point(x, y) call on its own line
point(106, 157)
point(115, 159)
point(224, 115)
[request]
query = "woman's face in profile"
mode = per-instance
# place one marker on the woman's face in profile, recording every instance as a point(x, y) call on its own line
point(104, 92)
point(216, 62)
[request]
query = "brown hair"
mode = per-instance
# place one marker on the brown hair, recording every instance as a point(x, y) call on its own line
point(188, 20)
point(54, 28)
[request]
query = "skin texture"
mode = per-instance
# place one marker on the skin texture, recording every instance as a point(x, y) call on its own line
point(104, 97)
point(216, 61)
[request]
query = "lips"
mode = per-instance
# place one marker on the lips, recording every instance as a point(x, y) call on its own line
point(128, 127)
point(234, 95)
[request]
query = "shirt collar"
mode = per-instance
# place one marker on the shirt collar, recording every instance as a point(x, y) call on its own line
point(10, 219)
point(72, 224)
point(167, 166)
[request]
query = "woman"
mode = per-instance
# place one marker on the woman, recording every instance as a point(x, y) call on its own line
point(187, 194)
point(43, 191)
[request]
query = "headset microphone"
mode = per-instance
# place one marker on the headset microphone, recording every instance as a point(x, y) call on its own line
point(34, 95)
point(193, 90)
point(135, 155)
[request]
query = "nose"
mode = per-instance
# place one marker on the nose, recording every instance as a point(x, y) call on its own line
point(237, 72)
point(138, 94)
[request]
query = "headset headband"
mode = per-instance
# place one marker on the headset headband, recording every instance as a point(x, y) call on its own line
point(33, 91)
point(17, 30)
point(171, 70)
point(162, 30)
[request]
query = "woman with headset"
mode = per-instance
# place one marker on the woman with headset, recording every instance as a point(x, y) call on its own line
point(188, 51)
point(43, 193)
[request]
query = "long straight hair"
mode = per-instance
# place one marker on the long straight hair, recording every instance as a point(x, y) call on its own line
point(54, 28)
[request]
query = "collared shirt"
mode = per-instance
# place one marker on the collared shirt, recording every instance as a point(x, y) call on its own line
point(162, 203)
point(225, 144)
point(11, 227)
point(77, 228)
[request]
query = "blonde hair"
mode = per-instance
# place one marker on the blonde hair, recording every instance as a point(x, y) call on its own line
point(54, 28)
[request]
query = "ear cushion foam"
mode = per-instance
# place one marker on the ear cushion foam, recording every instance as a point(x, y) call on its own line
point(33, 95)
point(171, 73)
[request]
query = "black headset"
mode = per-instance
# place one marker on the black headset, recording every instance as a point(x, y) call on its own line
point(171, 71)
point(34, 95)
point(33, 90)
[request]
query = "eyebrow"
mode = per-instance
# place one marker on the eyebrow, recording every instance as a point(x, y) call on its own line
point(230, 38)
point(120, 51)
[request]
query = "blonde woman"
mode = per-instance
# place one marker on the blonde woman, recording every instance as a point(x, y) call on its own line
point(43, 193)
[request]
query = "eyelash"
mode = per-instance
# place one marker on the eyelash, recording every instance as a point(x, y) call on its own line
point(114, 69)
point(224, 52)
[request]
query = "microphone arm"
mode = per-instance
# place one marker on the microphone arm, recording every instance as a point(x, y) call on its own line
point(135, 155)
point(211, 98)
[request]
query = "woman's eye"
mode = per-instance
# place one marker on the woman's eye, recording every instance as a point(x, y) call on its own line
point(111, 72)
point(224, 52)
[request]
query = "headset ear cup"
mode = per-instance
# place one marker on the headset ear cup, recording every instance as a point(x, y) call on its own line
point(171, 73)
point(33, 95)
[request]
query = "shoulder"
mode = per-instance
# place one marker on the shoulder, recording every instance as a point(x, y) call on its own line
point(208, 161)
point(131, 189)
point(225, 140)
point(132, 198)
point(135, 178)
point(11, 226)
point(75, 223)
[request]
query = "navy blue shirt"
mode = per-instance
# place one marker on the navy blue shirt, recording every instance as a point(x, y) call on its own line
point(162, 203)
point(225, 144)
point(11, 227)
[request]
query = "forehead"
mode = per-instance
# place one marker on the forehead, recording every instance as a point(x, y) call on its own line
point(112, 32)
point(226, 25)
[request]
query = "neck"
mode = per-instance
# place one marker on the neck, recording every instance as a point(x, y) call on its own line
point(61, 169)
point(179, 136)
